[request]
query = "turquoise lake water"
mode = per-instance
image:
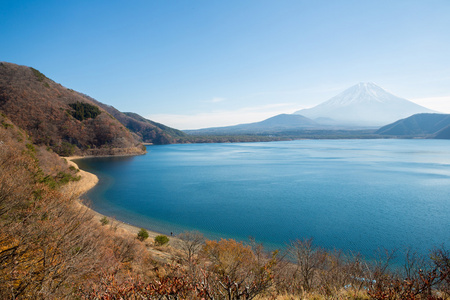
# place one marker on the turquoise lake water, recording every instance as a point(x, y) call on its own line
point(354, 195)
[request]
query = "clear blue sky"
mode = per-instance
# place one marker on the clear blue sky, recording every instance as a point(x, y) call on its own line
point(202, 63)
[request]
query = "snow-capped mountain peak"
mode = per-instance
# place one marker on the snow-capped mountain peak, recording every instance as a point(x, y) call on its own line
point(364, 104)
point(363, 92)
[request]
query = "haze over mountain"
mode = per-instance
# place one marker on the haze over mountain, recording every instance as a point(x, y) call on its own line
point(277, 123)
point(364, 104)
point(419, 125)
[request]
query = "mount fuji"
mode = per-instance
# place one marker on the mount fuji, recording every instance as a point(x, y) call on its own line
point(364, 104)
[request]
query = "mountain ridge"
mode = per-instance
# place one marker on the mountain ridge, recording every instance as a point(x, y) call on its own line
point(273, 124)
point(419, 125)
point(66, 121)
point(364, 106)
point(145, 130)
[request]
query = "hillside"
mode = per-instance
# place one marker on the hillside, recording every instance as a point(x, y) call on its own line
point(62, 119)
point(419, 125)
point(146, 131)
point(50, 246)
point(169, 130)
point(364, 104)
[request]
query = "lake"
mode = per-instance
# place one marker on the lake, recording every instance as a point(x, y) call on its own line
point(354, 195)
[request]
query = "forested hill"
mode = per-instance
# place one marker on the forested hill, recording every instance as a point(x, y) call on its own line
point(146, 130)
point(66, 121)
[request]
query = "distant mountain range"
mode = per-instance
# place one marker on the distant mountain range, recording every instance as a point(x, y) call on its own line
point(277, 123)
point(364, 104)
point(420, 125)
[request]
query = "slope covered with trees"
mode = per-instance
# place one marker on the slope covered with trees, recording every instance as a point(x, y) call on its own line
point(146, 130)
point(60, 118)
point(49, 247)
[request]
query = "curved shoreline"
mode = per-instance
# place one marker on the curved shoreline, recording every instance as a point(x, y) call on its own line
point(87, 182)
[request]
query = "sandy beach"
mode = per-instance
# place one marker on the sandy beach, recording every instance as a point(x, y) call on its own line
point(87, 182)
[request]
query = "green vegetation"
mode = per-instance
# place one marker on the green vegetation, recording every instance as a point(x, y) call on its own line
point(161, 240)
point(6, 125)
point(65, 149)
point(53, 181)
point(39, 75)
point(31, 148)
point(64, 178)
point(60, 179)
point(142, 234)
point(195, 137)
point(49, 181)
point(83, 111)
point(73, 169)
point(104, 221)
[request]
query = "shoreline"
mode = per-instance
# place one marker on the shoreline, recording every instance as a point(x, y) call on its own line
point(88, 181)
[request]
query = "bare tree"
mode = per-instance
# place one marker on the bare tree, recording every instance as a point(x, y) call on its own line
point(309, 261)
point(233, 271)
point(190, 242)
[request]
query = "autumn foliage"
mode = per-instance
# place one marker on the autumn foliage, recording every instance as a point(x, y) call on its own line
point(49, 246)
point(52, 248)
point(59, 118)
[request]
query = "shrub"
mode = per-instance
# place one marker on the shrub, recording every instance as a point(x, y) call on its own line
point(83, 111)
point(39, 75)
point(49, 181)
point(73, 169)
point(65, 149)
point(104, 221)
point(63, 177)
point(6, 125)
point(142, 234)
point(31, 148)
point(161, 240)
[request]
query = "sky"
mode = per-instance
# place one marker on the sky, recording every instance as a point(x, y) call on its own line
point(202, 63)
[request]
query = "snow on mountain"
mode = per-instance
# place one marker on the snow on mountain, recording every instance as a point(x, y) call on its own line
point(364, 104)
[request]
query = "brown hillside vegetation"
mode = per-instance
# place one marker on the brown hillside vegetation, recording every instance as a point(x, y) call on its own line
point(146, 130)
point(60, 118)
point(50, 248)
